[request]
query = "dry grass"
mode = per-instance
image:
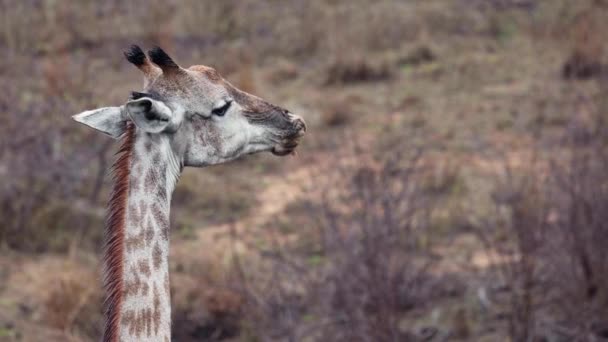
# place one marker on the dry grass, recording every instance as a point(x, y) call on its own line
point(340, 111)
point(72, 306)
point(51, 298)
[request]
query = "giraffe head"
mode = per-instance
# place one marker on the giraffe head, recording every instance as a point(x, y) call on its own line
point(205, 119)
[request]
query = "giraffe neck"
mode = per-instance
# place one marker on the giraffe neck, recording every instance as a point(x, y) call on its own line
point(141, 309)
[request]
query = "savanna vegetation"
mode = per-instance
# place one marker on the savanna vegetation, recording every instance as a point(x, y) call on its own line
point(451, 185)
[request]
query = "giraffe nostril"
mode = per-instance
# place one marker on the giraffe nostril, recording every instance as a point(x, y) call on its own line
point(303, 125)
point(299, 122)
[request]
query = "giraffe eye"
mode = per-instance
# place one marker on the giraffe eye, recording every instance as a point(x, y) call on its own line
point(221, 110)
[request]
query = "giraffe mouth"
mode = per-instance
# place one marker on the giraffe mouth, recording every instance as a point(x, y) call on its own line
point(289, 144)
point(285, 148)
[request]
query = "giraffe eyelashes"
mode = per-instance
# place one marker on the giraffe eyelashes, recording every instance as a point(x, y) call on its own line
point(221, 111)
point(218, 111)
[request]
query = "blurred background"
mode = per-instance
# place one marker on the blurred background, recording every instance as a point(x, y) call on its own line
point(452, 185)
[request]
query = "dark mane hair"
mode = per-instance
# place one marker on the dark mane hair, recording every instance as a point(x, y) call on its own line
point(115, 235)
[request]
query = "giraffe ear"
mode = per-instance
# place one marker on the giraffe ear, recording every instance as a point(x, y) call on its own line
point(151, 116)
point(107, 120)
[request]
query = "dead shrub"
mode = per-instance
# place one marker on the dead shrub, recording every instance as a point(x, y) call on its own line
point(336, 116)
point(578, 233)
point(204, 310)
point(551, 234)
point(420, 55)
point(587, 58)
point(224, 307)
point(283, 71)
point(228, 197)
point(45, 202)
point(355, 70)
point(516, 234)
point(339, 112)
point(358, 264)
point(582, 66)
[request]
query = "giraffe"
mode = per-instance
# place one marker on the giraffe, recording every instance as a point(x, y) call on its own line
point(183, 117)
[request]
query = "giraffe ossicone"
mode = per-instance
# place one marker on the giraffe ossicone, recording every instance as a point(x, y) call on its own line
point(183, 117)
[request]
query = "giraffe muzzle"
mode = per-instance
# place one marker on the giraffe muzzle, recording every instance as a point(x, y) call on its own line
point(290, 142)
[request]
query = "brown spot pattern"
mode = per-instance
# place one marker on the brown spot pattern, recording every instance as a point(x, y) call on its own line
point(128, 319)
point(131, 288)
point(149, 233)
point(208, 133)
point(161, 193)
point(135, 242)
point(167, 286)
point(161, 219)
point(156, 314)
point(148, 321)
point(156, 159)
point(150, 180)
point(161, 190)
point(157, 256)
point(138, 322)
point(144, 289)
point(144, 267)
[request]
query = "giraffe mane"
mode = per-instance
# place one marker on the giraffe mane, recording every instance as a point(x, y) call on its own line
point(115, 235)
